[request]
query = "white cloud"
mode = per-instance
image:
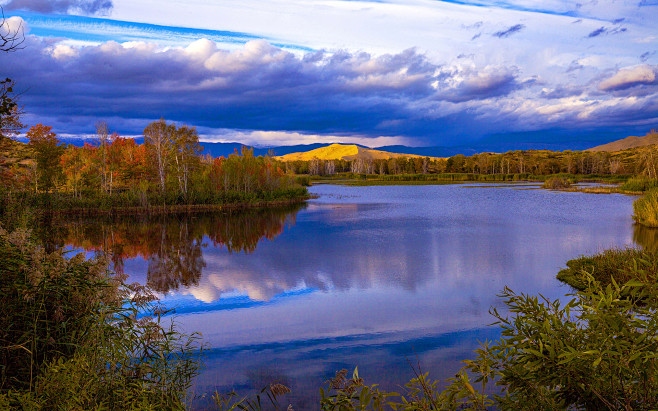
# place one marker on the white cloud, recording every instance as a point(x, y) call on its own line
point(629, 77)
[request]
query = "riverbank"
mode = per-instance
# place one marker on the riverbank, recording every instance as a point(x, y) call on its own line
point(131, 203)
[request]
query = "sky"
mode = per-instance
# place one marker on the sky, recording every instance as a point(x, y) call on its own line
point(380, 72)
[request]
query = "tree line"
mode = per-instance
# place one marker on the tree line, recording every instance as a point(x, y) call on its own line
point(170, 161)
point(635, 161)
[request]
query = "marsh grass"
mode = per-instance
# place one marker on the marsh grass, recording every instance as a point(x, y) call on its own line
point(618, 265)
point(645, 209)
point(639, 184)
point(75, 336)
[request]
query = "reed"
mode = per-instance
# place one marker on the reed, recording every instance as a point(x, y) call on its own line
point(645, 209)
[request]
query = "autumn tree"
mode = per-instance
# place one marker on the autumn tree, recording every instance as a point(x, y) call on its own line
point(158, 139)
point(48, 152)
point(186, 151)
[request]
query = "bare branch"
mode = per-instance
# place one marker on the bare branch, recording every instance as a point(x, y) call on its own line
point(10, 40)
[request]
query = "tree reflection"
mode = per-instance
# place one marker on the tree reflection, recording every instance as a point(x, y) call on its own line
point(172, 244)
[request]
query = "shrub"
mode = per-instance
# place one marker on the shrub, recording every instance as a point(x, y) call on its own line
point(596, 352)
point(75, 336)
point(645, 209)
point(556, 183)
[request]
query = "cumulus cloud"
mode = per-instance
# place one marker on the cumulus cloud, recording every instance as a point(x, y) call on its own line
point(265, 88)
point(508, 32)
point(62, 6)
point(630, 77)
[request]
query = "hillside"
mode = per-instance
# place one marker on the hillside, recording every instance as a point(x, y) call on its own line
point(343, 152)
point(628, 142)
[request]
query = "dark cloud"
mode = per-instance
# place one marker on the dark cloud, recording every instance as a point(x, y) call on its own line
point(645, 56)
point(617, 21)
point(258, 87)
point(577, 21)
point(477, 85)
point(597, 32)
point(476, 36)
point(262, 87)
point(602, 30)
point(506, 33)
point(62, 6)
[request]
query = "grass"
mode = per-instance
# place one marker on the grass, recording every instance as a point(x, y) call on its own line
point(645, 209)
point(639, 184)
point(136, 202)
point(618, 264)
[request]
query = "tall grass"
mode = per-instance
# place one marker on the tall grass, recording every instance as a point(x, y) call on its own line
point(645, 209)
point(75, 336)
point(639, 183)
point(617, 264)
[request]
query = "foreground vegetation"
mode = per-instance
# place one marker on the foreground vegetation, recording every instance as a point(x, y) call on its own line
point(596, 352)
point(75, 336)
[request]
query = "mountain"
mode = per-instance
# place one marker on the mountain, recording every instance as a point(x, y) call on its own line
point(344, 152)
point(628, 142)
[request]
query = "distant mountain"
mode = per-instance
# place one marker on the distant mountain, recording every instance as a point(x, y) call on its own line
point(628, 142)
point(344, 152)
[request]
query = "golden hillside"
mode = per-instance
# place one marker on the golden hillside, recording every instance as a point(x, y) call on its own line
point(628, 142)
point(343, 152)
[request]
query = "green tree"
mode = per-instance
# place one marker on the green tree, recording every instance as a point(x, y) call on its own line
point(48, 153)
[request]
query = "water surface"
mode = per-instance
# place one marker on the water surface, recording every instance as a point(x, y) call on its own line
point(372, 277)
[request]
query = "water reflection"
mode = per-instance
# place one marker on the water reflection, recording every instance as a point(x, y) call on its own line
point(369, 276)
point(171, 245)
point(646, 237)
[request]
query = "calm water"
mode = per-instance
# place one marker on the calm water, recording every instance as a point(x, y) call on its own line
point(361, 276)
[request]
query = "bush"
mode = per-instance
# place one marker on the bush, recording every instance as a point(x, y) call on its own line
point(645, 209)
point(556, 183)
point(596, 352)
point(75, 336)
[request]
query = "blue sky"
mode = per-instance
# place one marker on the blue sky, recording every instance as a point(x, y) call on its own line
point(414, 72)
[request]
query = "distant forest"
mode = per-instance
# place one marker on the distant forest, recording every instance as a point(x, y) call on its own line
point(635, 161)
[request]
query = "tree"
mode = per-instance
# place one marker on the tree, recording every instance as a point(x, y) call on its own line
point(48, 153)
point(158, 138)
point(103, 136)
point(10, 40)
point(186, 150)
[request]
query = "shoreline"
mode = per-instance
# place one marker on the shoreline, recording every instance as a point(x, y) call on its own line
point(178, 208)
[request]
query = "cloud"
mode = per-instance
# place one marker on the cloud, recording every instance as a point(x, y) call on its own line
point(464, 85)
point(506, 33)
point(630, 77)
point(602, 30)
point(62, 6)
point(263, 92)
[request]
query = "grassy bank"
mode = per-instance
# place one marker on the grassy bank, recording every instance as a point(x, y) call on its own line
point(443, 178)
point(135, 202)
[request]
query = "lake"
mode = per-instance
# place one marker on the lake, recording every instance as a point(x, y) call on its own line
point(375, 277)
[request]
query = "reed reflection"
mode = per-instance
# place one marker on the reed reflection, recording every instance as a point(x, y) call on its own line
point(646, 237)
point(172, 245)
